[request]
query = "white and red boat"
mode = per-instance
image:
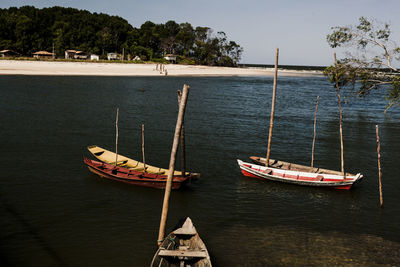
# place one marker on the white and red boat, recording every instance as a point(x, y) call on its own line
point(298, 174)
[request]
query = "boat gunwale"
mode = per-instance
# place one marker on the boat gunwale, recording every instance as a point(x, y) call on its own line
point(287, 166)
point(322, 183)
point(136, 176)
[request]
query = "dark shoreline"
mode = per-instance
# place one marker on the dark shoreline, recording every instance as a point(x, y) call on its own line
point(286, 67)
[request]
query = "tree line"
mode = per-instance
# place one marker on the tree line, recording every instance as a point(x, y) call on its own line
point(28, 29)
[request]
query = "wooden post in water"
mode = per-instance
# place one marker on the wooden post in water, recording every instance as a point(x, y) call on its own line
point(271, 123)
point(378, 149)
point(315, 133)
point(167, 193)
point(116, 138)
point(340, 120)
point(183, 149)
point(144, 158)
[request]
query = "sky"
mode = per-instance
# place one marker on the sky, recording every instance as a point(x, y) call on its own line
point(297, 27)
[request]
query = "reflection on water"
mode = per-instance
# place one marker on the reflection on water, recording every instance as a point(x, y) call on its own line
point(294, 246)
point(54, 212)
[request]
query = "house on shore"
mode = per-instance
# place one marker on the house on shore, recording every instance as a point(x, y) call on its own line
point(94, 57)
point(43, 55)
point(8, 53)
point(73, 54)
point(170, 58)
point(112, 56)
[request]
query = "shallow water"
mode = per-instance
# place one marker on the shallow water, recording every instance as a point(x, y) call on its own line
point(54, 212)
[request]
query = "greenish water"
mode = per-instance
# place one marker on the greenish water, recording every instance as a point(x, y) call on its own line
point(54, 212)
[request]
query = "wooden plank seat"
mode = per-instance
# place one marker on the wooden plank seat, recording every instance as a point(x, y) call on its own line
point(140, 169)
point(119, 163)
point(182, 253)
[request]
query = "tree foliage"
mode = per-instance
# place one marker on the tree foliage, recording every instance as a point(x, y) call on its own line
point(369, 61)
point(28, 29)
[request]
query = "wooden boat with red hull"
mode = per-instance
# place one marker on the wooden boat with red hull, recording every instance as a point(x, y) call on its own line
point(109, 157)
point(298, 174)
point(130, 176)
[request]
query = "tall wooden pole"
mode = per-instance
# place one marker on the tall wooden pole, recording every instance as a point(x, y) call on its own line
point(378, 149)
point(116, 138)
point(144, 158)
point(183, 149)
point(167, 193)
point(315, 132)
point(340, 119)
point(271, 123)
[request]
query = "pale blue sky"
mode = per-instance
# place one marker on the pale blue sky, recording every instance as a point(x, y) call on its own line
point(297, 27)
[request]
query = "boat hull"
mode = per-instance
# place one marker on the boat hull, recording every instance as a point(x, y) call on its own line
point(298, 177)
point(182, 247)
point(128, 176)
point(109, 157)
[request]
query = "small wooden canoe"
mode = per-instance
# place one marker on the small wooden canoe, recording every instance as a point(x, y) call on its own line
point(107, 156)
point(298, 174)
point(182, 247)
point(130, 176)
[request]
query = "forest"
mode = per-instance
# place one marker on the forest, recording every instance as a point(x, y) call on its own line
point(27, 29)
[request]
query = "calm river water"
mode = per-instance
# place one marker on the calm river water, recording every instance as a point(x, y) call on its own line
point(54, 212)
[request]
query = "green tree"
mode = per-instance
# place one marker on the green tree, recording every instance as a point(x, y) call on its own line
point(28, 29)
point(369, 59)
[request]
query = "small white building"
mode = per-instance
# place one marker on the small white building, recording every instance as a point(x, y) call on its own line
point(170, 57)
point(136, 58)
point(94, 57)
point(112, 56)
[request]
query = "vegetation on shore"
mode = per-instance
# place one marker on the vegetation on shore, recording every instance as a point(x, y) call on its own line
point(28, 29)
point(369, 62)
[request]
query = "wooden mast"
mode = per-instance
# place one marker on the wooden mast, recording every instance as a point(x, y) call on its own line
point(378, 150)
point(143, 155)
point(340, 119)
point(271, 123)
point(116, 138)
point(183, 149)
point(315, 133)
point(167, 193)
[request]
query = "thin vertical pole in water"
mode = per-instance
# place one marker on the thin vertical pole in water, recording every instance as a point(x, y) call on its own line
point(315, 132)
point(144, 158)
point(116, 138)
point(271, 123)
point(183, 149)
point(340, 120)
point(167, 193)
point(378, 149)
point(183, 152)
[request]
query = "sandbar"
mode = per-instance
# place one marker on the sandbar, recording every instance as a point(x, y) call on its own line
point(61, 68)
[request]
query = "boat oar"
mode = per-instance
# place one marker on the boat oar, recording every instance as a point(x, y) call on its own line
point(167, 193)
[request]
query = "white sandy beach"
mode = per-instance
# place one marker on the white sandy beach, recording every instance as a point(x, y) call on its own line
point(21, 67)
